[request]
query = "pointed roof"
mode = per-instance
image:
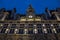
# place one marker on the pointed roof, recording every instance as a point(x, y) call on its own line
point(30, 8)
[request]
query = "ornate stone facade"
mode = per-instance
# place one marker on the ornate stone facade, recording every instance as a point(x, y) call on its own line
point(30, 26)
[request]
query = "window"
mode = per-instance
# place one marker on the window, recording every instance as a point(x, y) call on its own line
point(30, 25)
point(22, 25)
point(5, 25)
point(39, 25)
point(47, 25)
point(13, 26)
point(3, 30)
point(20, 31)
point(11, 31)
point(56, 26)
point(49, 30)
point(30, 31)
point(40, 31)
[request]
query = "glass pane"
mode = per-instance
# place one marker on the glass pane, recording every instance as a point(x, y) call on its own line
point(20, 31)
point(11, 31)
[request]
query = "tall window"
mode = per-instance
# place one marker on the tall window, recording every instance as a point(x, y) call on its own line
point(20, 31)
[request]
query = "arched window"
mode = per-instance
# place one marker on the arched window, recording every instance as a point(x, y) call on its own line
point(20, 31)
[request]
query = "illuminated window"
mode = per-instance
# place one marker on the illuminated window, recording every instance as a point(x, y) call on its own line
point(30, 16)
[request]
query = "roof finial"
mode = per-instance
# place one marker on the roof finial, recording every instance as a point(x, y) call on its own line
point(30, 8)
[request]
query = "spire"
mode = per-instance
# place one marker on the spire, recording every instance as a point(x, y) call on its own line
point(30, 8)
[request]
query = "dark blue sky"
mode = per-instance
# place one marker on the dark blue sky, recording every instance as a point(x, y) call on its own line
point(22, 5)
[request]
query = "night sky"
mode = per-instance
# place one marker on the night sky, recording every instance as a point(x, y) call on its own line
point(22, 5)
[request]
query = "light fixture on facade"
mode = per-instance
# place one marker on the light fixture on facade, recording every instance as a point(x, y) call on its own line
point(43, 25)
point(35, 31)
point(45, 30)
point(30, 16)
point(54, 30)
point(25, 31)
point(6, 30)
point(51, 24)
point(34, 25)
point(1, 24)
point(16, 30)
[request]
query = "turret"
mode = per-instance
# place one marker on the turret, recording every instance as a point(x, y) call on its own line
point(30, 11)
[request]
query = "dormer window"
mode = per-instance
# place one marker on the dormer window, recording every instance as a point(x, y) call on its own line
point(30, 16)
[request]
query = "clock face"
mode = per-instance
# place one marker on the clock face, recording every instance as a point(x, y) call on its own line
point(30, 16)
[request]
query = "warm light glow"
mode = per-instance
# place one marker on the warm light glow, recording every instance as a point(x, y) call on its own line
point(37, 19)
point(30, 20)
point(22, 19)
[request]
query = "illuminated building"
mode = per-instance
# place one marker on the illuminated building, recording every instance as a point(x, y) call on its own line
point(30, 26)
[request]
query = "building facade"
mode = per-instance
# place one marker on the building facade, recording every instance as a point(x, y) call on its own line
point(30, 26)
